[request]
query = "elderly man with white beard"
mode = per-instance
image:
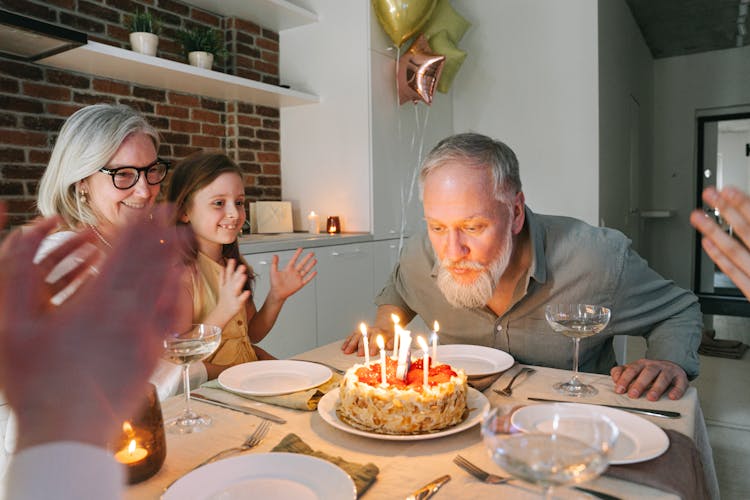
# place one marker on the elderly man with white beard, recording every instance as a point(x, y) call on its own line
point(487, 266)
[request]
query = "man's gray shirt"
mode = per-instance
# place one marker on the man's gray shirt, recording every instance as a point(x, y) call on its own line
point(572, 262)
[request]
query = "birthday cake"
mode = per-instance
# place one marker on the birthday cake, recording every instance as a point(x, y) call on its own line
point(402, 406)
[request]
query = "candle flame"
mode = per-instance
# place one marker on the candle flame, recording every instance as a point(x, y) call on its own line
point(381, 343)
point(131, 446)
point(127, 428)
point(422, 343)
point(312, 213)
point(396, 320)
point(363, 329)
point(436, 326)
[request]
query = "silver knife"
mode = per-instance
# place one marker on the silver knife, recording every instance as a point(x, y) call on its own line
point(645, 411)
point(242, 409)
point(429, 489)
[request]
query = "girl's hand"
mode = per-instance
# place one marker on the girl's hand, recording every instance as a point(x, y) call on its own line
point(232, 297)
point(294, 276)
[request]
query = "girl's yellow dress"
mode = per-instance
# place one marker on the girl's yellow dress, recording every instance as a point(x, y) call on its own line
point(235, 347)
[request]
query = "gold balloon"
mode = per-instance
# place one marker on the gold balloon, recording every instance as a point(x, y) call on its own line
point(401, 19)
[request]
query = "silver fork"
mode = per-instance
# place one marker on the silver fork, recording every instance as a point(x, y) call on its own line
point(252, 441)
point(489, 478)
point(478, 473)
point(508, 389)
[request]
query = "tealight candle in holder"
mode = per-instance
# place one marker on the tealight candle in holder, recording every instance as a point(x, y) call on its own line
point(142, 446)
point(333, 225)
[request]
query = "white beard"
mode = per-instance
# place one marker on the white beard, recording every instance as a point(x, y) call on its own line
point(479, 292)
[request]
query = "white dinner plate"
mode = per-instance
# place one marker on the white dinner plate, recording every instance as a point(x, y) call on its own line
point(273, 377)
point(476, 360)
point(475, 400)
point(282, 476)
point(639, 439)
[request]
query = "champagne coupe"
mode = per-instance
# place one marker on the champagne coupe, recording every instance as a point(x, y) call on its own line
point(576, 321)
point(183, 348)
point(567, 448)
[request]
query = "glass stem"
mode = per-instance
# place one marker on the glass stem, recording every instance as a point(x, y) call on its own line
point(186, 386)
point(574, 380)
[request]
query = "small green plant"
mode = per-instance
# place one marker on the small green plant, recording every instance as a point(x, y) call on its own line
point(144, 22)
point(202, 39)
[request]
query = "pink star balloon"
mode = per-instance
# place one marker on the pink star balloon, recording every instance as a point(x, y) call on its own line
point(418, 72)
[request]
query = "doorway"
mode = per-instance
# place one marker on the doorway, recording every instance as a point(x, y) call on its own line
point(723, 160)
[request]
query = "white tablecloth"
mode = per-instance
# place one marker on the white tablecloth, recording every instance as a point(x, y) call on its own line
point(407, 465)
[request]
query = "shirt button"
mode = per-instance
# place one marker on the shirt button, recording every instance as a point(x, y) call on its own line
point(499, 328)
point(239, 322)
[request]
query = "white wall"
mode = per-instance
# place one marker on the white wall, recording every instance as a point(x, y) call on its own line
point(531, 80)
point(625, 94)
point(682, 86)
point(734, 163)
point(325, 148)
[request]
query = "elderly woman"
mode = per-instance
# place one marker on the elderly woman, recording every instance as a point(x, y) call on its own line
point(103, 173)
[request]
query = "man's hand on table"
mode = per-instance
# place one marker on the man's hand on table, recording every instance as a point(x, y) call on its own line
point(355, 343)
point(652, 375)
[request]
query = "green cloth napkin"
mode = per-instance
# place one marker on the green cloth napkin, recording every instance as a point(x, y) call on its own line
point(301, 400)
point(363, 475)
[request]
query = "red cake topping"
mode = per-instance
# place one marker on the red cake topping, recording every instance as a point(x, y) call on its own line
point(414, 378)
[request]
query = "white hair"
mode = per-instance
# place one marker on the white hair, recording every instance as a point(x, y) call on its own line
point(87, 141)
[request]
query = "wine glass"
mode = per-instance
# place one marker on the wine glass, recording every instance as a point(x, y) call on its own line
point(183, 348)
point(568, 447)
point(576, 321)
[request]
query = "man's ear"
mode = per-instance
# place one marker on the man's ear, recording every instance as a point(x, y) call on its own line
point(184, 217)
point(519, 212)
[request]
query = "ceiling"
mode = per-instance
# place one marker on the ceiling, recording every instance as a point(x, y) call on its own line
point(681, 27)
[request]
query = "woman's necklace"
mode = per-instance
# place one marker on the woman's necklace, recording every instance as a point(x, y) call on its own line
point(100, 236)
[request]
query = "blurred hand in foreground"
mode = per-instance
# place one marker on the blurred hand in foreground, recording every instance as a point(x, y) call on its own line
point(72, 372)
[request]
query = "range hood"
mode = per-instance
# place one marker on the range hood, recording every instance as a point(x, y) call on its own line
point(28, 39)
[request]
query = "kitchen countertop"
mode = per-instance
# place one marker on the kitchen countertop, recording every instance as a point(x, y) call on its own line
point(259, 243)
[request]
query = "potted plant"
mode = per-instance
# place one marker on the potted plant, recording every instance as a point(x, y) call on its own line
point(144, 33)
point(201, 45)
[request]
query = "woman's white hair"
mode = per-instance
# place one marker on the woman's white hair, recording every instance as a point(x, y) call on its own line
point(87, 141)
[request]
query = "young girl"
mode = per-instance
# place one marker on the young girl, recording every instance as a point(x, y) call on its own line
point(209, 194)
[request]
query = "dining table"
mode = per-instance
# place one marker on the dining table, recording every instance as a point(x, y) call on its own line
point(405, 465)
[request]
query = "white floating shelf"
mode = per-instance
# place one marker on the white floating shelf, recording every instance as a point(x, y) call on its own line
point(120, 64)
point(276, 15)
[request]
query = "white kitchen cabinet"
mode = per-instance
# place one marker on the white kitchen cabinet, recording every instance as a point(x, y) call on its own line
point(295, 328)
point(385, 257)
point(344, 289)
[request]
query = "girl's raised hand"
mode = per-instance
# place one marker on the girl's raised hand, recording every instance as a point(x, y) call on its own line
point(293, 276)
point(232, 297)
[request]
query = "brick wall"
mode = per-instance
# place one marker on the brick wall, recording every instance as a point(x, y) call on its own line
point(36, 99)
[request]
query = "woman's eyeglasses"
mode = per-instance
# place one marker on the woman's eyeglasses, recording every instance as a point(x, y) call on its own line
point(127, 177)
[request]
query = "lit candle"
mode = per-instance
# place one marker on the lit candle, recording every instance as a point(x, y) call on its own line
point(131, 454)
point(425, 360)
point(403, 355)
point(434, 338)
point(313, 222)
point(396, 329)
point(363, 329)
point(381, 346)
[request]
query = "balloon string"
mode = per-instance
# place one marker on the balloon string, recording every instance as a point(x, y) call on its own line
point(418, 134)
point(398, 105)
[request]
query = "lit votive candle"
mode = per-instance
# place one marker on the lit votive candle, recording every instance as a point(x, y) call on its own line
point(363, 329)
point(425, 360)
point(131, 454)
point(381, 346)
